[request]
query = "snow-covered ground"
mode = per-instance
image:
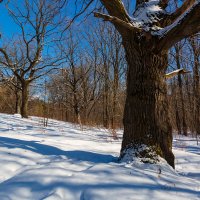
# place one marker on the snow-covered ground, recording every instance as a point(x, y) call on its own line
point(63, 162)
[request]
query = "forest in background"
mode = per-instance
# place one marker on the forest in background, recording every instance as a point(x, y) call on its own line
point(87, 85)
point(90, 87)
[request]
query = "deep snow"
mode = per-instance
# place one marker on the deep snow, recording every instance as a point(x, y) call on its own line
point(63, 162)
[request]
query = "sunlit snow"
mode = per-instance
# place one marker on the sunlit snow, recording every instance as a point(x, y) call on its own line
point(146, 14)
point(64, 162)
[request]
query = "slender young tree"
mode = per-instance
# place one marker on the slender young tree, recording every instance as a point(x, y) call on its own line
point(147, 37)
point(196, 83)
point(177, 48)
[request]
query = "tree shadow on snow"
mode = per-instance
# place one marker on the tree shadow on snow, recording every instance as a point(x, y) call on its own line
point(48, 150)
point(193, 149)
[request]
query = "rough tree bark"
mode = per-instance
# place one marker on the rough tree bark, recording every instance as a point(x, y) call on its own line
point(147, 129)
point(146, 120)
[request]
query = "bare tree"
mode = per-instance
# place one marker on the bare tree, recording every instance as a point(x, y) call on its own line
point(33, 54)
point(184, 90)
point(181, 122)
point(147, 36)
point(111, 55)
point(196, 82)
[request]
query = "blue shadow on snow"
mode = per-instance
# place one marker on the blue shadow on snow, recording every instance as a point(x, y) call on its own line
point(48, 150)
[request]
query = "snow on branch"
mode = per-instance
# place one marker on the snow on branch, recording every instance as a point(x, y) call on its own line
point(116, 21)
point(186, 25)
point(147, 15)
point(176, 72)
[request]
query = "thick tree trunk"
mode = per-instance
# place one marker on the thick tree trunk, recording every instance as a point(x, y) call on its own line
point(147, 129)
point(24, 105)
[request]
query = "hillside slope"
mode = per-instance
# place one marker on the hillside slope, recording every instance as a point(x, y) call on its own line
point(63, 162)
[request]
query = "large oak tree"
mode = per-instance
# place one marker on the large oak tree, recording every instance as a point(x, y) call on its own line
point(147, 36)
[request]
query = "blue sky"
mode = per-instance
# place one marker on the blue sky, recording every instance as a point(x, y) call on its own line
point(7, 27)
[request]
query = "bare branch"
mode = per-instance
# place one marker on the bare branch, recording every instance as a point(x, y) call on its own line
point(186, 5)
point(186, 25)
point(116, 8)
point(78, 14)
point(116, 21)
